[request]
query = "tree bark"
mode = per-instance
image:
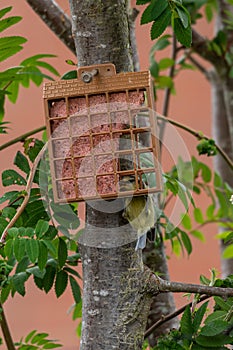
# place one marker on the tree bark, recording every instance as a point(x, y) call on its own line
point(222, 119)
point(101, 33)
point(115, 310)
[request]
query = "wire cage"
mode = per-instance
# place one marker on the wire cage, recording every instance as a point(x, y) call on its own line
point(101, 128)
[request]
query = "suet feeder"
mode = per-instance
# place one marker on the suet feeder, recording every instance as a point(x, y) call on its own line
point(97, 126)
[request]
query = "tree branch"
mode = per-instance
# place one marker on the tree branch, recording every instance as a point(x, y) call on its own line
point(168, 90)
point(6, 331)
point(159, 285)
point(27, 195)
point(172, 315)
point(21, 138)
point(201, 47)
point(56, 19)
point(198, 135)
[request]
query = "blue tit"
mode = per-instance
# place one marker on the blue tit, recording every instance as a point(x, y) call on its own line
point(139, 211)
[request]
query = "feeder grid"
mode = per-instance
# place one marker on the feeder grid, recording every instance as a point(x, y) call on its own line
point(100, 131)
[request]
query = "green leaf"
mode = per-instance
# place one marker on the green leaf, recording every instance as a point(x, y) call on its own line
point(11, 177)
point(210, 211)
point(72, 271)
point(21, 162)
point(13, 90)
point(166, 63)
point(204, 280)
point(153, 10)
point(48, 67)
point(223, 304)
point(32, 249)
point(75, 289)
point(50, 246)
point(29, 336)
point(186, 221)
point(199, 316)
point(61, 283)
point(186, 323)
point(52, 346)
point(62, 252)
point(35, 149)
point(183, 15)
point(34, 59)
point(213, 341)
point(164, 82)
point(77, 313)
point(5, 292)
point(19, 248)
point(10, 21)
point(161, 23)
point(18, 281)
point(22, 265)
point(9, 46)
point(42, 227)
point(154, 69)
point(70, 75)
point(8, 196)
point(5, 11)
point(38, 337)
point(8, 212)
point(186, 241)
point(160, 44)
point(205, 172)
point(142, 2)
point(8, 248)
point(228, 252)
point(35, 271)
point(198, 215)
point(49, 278)
point(13, 232)
point(216, 315)
point(43, 255)
point(198, 234)
point(214, 328)
point(209, 12)
point(184, 35)
point(29, 232)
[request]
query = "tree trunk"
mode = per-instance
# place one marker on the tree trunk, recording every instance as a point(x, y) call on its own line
point(222, 116)
point(115, 308)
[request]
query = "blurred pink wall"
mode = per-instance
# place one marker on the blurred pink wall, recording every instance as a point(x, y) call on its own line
point(191, 105)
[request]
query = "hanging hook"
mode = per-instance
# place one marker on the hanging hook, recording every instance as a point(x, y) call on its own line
point(88, 76)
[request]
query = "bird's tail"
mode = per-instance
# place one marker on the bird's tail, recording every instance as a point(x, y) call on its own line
point(141, 242)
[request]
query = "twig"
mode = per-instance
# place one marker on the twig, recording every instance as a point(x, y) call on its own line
point(21, 138)
point(171, 316)
point(168, 90)
point(161, 285)
point(198, 135)
point(6, 331)
point(27, 195)
point(56, 19)
point(198, 65)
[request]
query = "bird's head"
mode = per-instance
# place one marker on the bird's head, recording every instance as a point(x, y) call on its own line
point(127, 183)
